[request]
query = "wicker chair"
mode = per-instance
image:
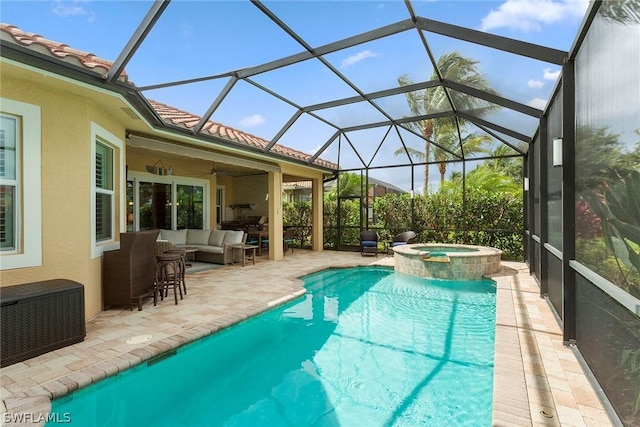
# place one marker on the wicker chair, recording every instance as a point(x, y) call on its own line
point(287, 239)
point(369, 242)
point(163, 246)
point(403, 238)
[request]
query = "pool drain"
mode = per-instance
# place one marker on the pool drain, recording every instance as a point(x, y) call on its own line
point(139, 339)
point(546, 414)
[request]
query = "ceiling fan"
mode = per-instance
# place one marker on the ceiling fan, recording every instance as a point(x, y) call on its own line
point(210, 172)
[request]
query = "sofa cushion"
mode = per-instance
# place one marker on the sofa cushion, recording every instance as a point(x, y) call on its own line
point(210, 249)
point(233, 236)
point(177, 237)
point(198, 237)
point(216, 237)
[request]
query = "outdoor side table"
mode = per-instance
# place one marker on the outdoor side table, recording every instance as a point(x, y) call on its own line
point(245, 250)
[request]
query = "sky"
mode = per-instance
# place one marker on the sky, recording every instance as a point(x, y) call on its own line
point(205, 38)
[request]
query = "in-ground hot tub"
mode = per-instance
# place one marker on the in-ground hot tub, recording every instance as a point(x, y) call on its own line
point(447, 261)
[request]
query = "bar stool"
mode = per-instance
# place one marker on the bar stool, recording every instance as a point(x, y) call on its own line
point(168, 275)
point(183, 255)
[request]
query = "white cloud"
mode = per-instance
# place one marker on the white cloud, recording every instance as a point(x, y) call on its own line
point(186, 30)
point(253, 120)
point(68, 9)
point(551, 75)
point(529, 15)
point(73, 8)
point(535, 84)
point(538, 103)
point(353, 59)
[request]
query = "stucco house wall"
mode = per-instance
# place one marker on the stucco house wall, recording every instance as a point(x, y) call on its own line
point(65, 178)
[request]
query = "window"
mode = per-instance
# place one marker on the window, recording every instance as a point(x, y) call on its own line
point(107, 159)
point(20, 185)
point(104, 192)
point(219, 204)
point(131, 225)
point(9, 135)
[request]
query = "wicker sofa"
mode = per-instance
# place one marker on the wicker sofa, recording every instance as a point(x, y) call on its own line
point(211, 245)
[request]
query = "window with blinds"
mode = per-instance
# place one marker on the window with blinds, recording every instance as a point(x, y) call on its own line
point(104, 192)
point(9, 183)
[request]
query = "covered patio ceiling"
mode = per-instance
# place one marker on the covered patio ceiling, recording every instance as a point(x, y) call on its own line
point(323, 77)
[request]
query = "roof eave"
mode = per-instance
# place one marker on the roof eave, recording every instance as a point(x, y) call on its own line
point(131, 94)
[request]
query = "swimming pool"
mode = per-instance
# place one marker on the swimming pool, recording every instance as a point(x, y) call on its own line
point(365, 346)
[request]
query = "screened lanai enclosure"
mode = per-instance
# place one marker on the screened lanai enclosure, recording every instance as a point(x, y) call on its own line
point(530, 144)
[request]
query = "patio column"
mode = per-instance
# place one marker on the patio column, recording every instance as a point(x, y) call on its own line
point(275, 216)
point(317, 219)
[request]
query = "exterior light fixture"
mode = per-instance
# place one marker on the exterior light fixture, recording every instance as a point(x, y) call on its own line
point(557, 152)
point(526, 183)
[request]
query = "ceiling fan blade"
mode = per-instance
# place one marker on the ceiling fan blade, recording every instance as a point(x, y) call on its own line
point(211, 172)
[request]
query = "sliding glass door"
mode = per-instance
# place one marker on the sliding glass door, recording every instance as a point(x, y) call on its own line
point(190, 206)
point(154, 206)
point(166, 202)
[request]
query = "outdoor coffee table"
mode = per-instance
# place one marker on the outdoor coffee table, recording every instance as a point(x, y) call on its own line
point(244, 250)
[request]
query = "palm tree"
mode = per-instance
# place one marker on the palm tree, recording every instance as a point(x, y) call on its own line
point(500, 160)
point(448, 139)
point(623, 12)
point(447, 142)
point(348, 184)
point(484, 178)
point(455, 67)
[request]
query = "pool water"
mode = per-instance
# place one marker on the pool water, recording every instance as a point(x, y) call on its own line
point(365, 346)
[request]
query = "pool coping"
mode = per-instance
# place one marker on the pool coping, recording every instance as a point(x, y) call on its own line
point(519, 398)
point(511, 408)
point(82, 378)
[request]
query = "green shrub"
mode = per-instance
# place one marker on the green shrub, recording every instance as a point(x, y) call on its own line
point(484, 218)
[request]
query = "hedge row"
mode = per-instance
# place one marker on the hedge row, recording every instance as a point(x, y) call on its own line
point(487, 219)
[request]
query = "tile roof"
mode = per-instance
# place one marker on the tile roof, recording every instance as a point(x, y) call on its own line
point(189, 121)
point(169, 114)
point(296, 185)
point(57, 50)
